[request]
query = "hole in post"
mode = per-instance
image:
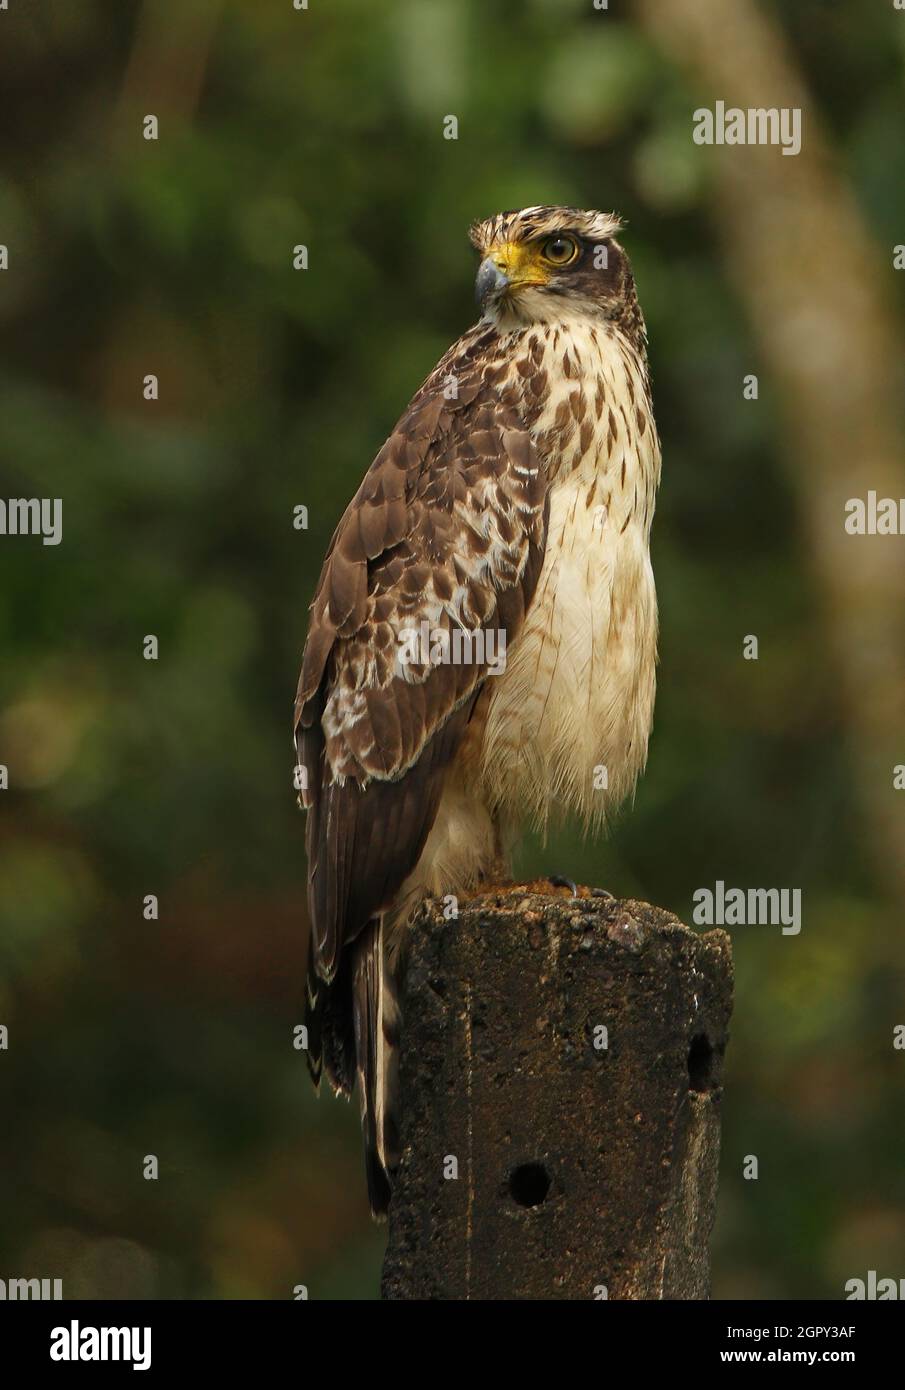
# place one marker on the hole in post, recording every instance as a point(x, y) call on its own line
point(700, 1063)
point(529, 1184)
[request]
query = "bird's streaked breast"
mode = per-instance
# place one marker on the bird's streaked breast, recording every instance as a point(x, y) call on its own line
point(577, 695)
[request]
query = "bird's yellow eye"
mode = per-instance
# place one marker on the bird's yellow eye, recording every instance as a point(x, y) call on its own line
point(560, 250)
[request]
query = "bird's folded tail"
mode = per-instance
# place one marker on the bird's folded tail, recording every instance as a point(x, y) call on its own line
point(315, 1002)
point(375, 1009)
point(328, 1018)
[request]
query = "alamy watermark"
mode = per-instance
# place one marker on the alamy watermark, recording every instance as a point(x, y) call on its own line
point(84, 1343)
point(753, 125)
point(874, 1288)
point(438, 646)
point(21, 1290)
point(32, 516)
point(875, 516)
point(752, 907)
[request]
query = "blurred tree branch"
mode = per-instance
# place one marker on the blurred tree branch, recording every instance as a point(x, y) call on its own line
point(812, 281)
point(168, 62)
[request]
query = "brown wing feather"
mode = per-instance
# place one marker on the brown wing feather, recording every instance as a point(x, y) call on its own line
point(448, 528)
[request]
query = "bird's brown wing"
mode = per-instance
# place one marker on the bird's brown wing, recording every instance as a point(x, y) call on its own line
point(448, 529)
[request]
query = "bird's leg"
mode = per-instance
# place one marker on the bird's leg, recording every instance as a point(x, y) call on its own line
point(496, 872)
point(560, 881)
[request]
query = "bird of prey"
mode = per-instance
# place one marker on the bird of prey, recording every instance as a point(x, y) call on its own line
point(510, 508)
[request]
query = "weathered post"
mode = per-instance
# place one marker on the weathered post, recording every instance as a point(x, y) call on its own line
point(560, 1076)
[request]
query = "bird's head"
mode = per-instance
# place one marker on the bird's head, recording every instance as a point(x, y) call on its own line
point(546, 264)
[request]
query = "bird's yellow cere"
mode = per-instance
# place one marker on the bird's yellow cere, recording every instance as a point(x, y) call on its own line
point(522, 262)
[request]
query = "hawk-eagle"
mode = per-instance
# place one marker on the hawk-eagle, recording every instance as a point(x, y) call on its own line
point(511, 505)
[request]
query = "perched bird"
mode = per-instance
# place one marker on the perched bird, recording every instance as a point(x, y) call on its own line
point(507, 518)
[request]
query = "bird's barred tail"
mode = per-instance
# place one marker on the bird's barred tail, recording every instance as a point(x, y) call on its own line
point(375, 1009)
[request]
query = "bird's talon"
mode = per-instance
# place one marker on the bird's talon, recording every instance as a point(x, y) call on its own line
point(602, 893)
point(557, 881)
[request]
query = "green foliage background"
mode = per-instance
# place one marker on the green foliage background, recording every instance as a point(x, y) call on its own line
point(277, 388)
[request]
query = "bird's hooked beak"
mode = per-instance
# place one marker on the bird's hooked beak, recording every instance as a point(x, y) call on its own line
point(509, 267)
point(491, 283)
